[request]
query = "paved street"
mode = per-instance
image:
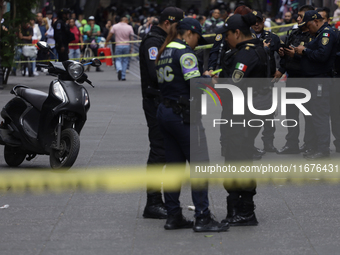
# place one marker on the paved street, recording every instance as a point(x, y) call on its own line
point(293, 219)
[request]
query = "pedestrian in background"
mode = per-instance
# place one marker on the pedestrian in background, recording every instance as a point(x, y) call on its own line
point(74, 50)
point(123, 32)
point(50, 40)
point(62, 34)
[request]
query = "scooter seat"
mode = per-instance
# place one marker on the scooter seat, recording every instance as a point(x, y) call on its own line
point(33, 96)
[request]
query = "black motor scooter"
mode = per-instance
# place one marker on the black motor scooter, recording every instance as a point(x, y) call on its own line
point(36, 123)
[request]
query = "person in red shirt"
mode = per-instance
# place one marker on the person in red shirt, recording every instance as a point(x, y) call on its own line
point(74, 50)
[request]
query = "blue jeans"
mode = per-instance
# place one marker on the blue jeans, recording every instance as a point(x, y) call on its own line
point(121, 63)
point(55, 52)
point(74, 53)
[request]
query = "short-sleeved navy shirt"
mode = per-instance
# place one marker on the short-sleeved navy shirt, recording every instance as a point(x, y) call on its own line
point(176, 66)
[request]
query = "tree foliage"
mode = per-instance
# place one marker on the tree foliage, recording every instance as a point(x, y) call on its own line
point(20, 13)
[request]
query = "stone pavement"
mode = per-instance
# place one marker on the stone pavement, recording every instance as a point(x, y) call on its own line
point(293, 219)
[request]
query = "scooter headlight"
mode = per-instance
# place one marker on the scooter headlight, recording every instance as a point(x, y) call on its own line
point(75, 70)
point(59, 92)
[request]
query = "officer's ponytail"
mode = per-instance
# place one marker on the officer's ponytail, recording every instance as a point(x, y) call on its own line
point(249, 19)
point(171, 36)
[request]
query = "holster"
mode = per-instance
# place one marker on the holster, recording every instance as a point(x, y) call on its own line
point(154, 94)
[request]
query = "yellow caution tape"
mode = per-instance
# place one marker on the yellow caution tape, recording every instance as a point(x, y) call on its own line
point(133, 178)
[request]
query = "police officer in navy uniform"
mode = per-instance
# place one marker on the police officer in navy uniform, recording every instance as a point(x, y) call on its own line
point(291, 63)
point(176, 65)
point(317, 61)
point(220, 46)
point(247, 59)
point(151, 98)
point(274, 40)
point(62, 34)
point(335, 90)
point(217, 52)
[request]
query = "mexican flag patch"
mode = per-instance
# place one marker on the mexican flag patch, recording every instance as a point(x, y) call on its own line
point(241, 67)
point(325, 34)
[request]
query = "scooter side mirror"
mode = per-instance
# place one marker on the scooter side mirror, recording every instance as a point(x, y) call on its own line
point(96, 62)
point(43, 45)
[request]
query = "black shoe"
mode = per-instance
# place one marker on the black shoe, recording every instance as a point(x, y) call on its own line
point(269, 147)
point(318, 155)
point(244, 220)
point(259, 151)
point(233, 207)
point(119, 75)
point(303, 148)
point(123, 79)
point(289, 150)
point(208, 224)
point(177, 222)
point(245, 216)
point(155, 212)
point(98, 69)
point(13, 73)
point(257, 156)
point(308, 152)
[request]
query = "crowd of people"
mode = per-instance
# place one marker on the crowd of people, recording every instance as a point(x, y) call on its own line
point(242, 49)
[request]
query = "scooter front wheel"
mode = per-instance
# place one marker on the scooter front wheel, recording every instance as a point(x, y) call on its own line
point(14, 156)
point(68, 152)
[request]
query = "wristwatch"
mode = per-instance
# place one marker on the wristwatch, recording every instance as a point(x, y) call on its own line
point(304, 51)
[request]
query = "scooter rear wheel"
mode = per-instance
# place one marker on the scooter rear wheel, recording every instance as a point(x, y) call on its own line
point(69, 149)
point(14, 156)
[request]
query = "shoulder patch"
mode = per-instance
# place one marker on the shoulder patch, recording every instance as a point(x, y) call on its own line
point(325, 40)
point(237, 76)
point(218, 37)
point(188, 61)
point(153, 52)
point(59, 25)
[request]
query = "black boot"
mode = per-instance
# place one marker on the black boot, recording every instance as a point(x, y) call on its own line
point(245, 216)
point(207, 224)
point(154, 208)
point(233, 205)
point(98, 69)
point(178, 221)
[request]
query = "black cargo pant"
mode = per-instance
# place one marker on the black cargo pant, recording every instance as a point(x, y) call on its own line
point(317, 125)
point(157, 151)
point(335, 111)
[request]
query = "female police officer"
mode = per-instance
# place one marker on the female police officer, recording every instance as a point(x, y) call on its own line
point(176, 65)
point(247, 60)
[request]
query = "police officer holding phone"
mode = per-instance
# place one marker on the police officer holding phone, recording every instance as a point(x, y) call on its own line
point(247, 59)
point(274, 46)
point(317, 61)
point(176, 65)
point(291, 63)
